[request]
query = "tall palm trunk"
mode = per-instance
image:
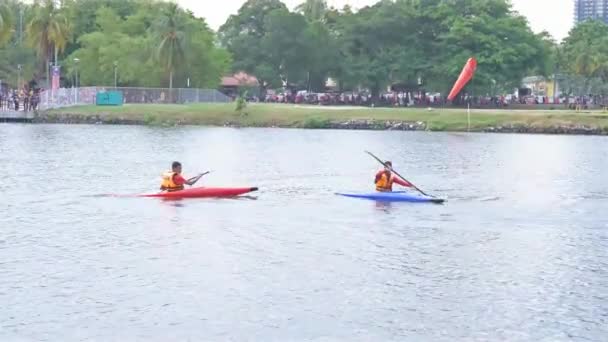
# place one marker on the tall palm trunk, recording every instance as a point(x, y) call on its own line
point(171, 85)
point(48, 74)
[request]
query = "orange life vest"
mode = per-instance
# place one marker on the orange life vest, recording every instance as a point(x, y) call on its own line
point(384, 183)
point(168, 184)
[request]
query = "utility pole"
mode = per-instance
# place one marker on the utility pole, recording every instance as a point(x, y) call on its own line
point(76, 61)
point(18, 76)
point(20, 24)
point(115, 74)
point(48, 76)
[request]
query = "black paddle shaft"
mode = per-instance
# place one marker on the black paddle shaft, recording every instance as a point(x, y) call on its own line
point(196, 179)
point(393, 170)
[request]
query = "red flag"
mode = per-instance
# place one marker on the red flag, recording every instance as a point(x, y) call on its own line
point(56, 77)
point(465, 76)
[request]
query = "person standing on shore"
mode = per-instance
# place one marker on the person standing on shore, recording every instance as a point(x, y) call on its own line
point(16, 99)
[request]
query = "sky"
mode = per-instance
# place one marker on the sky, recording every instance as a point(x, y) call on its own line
point(554, 16)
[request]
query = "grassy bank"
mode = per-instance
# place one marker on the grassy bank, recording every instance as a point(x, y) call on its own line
point(266, 115)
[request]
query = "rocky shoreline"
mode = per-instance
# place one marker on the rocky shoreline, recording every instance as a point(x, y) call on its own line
point(368, 124)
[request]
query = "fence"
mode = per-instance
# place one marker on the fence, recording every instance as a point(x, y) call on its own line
point(65, 97)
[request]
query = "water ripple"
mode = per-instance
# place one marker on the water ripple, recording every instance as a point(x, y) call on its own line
point(519, 252)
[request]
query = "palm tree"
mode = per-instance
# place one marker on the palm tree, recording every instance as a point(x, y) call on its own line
point(6, 23)
point(171, 36)
point(48, 31)
point(591, 66)
point(313, 10)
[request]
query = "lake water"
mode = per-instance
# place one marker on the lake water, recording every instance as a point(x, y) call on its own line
point(519, 252)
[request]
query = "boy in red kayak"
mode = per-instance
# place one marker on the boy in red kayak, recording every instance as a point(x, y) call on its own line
point(174, 181)
point(384, 179)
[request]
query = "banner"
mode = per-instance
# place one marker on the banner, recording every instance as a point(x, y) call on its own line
point(56, 77)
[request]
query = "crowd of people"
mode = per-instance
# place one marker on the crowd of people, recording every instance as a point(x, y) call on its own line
point(390, 99)
point(25, 99)
point(421, 99)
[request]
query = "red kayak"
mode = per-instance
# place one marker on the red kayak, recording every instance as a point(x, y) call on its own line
point(202, 192)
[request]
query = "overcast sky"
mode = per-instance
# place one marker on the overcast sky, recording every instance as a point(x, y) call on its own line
point(554, 16)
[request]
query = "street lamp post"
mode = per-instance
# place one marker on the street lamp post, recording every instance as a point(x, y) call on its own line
point(48, 76)
point(20, 24)
point(18, 76)
point(76, 61)
point(48, 83)
point(115, 74)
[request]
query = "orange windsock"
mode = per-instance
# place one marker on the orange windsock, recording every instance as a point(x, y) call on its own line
point(465, 76)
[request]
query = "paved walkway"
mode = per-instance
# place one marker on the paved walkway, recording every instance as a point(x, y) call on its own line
point(11, 115)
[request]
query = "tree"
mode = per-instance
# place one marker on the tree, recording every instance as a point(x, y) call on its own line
point(321, 55)
point(108, 45)
point(243, 35)
point(134, 42)
point(170, 35)
point(501, 40)
point(204, 62)
point(6, 23)
point(321, 47)
point(585, 55)
point(82, 14)
point(376, 49)
point(313, 10)
point(16, 60)
point(285, 45)
point(48, 31)
point(135, 34)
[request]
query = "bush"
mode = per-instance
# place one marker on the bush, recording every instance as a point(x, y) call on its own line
point(316, 123)
point(241, 103)
point(150, 119)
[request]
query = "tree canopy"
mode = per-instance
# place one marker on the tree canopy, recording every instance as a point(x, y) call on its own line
point(416, 44)
point(406, 41)
point(151, 43)
point(583, 58)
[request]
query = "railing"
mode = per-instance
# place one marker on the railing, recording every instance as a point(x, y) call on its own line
point(65, 97)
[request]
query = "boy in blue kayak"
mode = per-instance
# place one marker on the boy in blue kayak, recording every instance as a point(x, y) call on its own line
point(385, 178)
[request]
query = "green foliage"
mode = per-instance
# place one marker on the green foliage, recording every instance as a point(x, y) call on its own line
point(583, 56)
point(6, 23)
point(504, 45)
point(241, 103)
point(316, 123)
point(313, 10)
point(151, 43)
point(245, 33)
point(158, 45)
point(390, 42)
point(48, 30)
point(281, 47)
point(170, 34)
point(151, 119)
point(11, 58)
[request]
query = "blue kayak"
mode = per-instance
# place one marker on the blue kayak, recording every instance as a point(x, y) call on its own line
point(395, 196)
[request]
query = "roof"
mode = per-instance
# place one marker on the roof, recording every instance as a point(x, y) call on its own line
point(239, 79)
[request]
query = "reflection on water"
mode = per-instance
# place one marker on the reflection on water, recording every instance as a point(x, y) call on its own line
point(384, 206)
point(519, 251)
